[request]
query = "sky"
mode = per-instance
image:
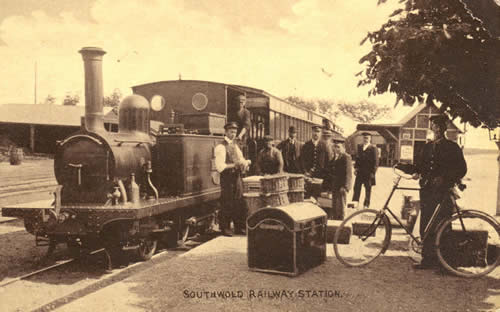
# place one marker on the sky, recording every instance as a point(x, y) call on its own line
point(307, 48)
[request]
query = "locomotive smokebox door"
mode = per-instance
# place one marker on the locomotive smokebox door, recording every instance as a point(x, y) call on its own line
point(288, 239)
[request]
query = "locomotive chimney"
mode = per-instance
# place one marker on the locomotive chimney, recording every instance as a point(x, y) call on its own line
point(92, 61)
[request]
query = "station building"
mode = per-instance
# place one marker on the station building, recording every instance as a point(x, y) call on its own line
point(402, 141)
point(37, 127)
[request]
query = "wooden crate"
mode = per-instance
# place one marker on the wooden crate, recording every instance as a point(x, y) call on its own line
point(274, 183)
point(204, 123)
point(296, 196)
point(275, 199)
point(251, 184)
point(295, 182)
point(253, 202)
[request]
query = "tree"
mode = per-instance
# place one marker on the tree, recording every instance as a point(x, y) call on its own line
point(50, 100)
point(114, 99)
point(328, 108)
point(307, 104)
point(71, 99)
point(436, 51)
point(363, 111)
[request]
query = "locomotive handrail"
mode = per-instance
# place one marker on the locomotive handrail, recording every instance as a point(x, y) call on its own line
point(120, 142)
point(81, 136)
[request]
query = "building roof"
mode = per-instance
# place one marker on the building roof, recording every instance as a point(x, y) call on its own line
point(43, 114)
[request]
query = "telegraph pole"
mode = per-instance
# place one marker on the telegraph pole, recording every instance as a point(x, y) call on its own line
point(35, 80)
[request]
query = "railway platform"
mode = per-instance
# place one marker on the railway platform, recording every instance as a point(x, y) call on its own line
point(215, 277)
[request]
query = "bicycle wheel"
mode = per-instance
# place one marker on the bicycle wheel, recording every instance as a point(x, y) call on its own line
point(468, 244)
point(370, 234)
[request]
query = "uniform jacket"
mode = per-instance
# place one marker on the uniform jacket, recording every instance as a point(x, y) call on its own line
point(291, 155)
point(323, 156)
point(443, 159)
point(367, 163)
point(269, 161)
point(340, 172)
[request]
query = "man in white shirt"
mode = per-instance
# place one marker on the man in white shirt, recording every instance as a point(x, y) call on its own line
point(230, 163)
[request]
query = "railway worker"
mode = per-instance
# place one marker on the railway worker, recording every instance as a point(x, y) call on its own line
point(230, 163)
point(269, 160)
point(365, 169)
point(290, 150)
point(440, 166)
point(242, 117)
point(314, 156)
point(340, 172)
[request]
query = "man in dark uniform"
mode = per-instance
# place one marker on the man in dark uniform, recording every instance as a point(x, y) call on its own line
point(290, 149)
point(365, 169)
point(230, 163)
point(269, 160)
point(440, 166)
point(242, 117)
point(340, 171)
point(315, 156)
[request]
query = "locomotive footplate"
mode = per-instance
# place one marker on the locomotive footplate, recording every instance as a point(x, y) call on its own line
point(79, 218)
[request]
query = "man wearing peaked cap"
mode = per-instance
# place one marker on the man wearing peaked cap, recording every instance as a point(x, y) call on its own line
point(290, 150)
point(230, 163)
point(340, 173)
point(269, 160)
point(231, 125)
point(315, 156)
point(440, 166)
point(365, 169)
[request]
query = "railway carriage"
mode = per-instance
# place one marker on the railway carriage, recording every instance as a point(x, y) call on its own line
point(128, 190)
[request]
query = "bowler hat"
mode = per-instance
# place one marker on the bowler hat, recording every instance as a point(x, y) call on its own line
point(366, 133)
point(338, 140)
point(292, 129)
point(316, 128)
point(231, 125)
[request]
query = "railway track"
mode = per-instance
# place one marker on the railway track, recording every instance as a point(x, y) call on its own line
point(65, 281)
point(56, 265)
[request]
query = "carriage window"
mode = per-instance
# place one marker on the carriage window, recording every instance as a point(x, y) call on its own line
point(157, 103)
point(278, 126)
point(271, 123)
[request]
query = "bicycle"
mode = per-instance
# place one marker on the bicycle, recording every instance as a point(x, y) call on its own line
point(467, 243)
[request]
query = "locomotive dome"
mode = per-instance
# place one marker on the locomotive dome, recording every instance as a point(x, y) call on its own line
point(133, 114)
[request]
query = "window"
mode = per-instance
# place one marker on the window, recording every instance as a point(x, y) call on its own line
point(277, 133)
point(157, 103)
point(272, 121)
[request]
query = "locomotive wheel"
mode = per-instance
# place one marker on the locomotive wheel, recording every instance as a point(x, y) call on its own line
point(147, 248)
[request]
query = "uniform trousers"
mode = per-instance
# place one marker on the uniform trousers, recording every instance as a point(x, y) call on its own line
point(367, 182)
point(429, 199)
point(338, 204)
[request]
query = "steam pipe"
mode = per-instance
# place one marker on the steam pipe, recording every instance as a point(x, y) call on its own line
point(92, 61)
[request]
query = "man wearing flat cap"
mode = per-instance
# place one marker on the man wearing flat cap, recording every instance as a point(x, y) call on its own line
point(290, 149)
point(365, 169)
point(340, 176)
point(230, 163)
point(440, 166)
point(269, 160)
point(315, 155)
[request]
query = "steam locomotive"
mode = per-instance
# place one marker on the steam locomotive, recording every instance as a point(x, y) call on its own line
point(128, 190)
